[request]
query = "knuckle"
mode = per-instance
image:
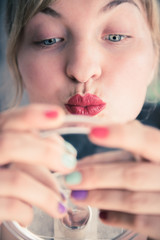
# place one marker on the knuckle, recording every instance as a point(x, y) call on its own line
point(133, 201)
point(99, 197)
point(17, 179)
point(141, 222)
point(132, 177)
point(88, 181)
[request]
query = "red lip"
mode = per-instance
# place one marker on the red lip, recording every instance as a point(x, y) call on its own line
point(87, 105)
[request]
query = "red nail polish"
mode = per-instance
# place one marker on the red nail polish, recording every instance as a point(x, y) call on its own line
point(51, 114)
point(103, 215)
point(99, 132)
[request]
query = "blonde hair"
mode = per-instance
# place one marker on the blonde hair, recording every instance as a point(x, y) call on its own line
point(19, 12)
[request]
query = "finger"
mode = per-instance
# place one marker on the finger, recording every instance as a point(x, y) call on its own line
point(41, 174)
point(147, 225)
point(12, 209)
point(136, 176)
point(106, 158)
point(120, 200)
point(32, 149)
point(21, 186)
point(133, 137)
point(34, 116)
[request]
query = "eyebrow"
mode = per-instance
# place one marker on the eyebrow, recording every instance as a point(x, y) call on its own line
point(116, 3)
point(51, 12)
point(108, 6)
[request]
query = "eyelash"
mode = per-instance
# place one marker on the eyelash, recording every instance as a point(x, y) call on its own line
point(115, 38)
point(49, 42)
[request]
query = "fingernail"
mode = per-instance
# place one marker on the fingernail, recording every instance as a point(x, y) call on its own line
point(69, 148)
point(99, 132)
point(103, 215)
point(69, 160)
point(79, 194)
point(73, 178)
point(51, 114)
point(61, 208)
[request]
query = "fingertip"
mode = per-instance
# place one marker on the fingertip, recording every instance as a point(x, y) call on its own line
point(99, 132)
point(54, 112)
point(53, 116)
point(99, 135)
point(27, 220)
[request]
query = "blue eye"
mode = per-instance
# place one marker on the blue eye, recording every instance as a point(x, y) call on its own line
point(114, 37)
point(51, 41)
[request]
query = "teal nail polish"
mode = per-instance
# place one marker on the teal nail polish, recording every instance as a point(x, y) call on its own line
point(69, 148)
point(69, 160)
point(73, 178)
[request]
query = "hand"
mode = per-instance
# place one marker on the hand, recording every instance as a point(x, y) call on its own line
point(26, 160)
point(127, 190)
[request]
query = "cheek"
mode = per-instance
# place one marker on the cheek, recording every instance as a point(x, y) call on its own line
point(128, 83)
point(41, 75)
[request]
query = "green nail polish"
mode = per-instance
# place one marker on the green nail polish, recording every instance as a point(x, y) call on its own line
point(69, 160)
point(73, 178)
point(69, 148)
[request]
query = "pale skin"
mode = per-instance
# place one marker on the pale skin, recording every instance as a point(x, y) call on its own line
point(127, 188)
point(86, 43)
point(27, 180)
point(117, 71)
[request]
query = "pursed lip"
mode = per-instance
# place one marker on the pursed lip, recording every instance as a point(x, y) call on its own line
point(89, 104)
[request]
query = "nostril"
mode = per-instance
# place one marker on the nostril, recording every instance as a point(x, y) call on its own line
point(81, 74)
point(73, 79)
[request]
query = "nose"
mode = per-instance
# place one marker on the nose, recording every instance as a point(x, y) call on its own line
point(83, 63)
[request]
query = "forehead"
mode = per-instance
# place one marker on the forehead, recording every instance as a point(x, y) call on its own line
point(83, 8)
point(105, 4)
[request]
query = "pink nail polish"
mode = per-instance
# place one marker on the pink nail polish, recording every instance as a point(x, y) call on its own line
point(51, 114)
point(100, 132)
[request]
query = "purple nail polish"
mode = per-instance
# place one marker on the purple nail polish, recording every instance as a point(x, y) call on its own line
point(79, 194)
point(61, 208)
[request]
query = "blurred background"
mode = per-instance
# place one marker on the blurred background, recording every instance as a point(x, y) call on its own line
point(7, 84)
point(3, 68)
point(6, 81)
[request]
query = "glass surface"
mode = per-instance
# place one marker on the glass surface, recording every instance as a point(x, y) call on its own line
point(80, 223)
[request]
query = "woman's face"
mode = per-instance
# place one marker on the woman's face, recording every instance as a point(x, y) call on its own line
point(90, 57)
